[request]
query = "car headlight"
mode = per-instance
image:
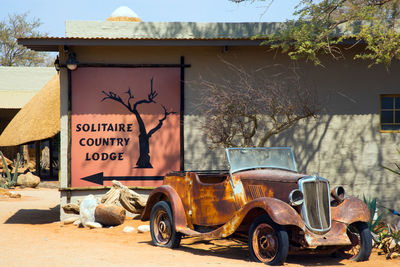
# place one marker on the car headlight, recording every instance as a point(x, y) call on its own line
point(296, 197)
point(338, 193)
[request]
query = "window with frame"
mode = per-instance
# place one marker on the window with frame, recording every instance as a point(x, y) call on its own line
point(390, 113)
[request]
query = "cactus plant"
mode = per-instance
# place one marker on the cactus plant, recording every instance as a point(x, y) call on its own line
point(397, 166)
point(10, 181)
point(374, 222)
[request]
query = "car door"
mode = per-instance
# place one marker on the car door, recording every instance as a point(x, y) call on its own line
point(212, 201)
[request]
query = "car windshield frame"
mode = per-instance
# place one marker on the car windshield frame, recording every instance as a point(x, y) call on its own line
point(260, 158)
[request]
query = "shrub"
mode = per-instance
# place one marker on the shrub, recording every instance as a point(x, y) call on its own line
point(373, 225)
point(10, 181)
point(389, 241)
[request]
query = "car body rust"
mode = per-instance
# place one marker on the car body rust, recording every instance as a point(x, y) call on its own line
point(219, 204)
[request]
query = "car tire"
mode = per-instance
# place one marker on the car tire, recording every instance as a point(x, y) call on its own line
point(361, 239)
point(162, 226)
point(268, 241)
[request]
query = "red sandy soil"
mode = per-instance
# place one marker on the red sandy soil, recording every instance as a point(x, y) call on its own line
point(32, 235)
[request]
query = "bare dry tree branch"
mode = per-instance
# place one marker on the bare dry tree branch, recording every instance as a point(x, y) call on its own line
point(250, 108)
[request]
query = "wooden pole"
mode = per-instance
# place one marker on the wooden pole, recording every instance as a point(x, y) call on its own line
point(51, 156)
point(37, 151)
point(25, 151)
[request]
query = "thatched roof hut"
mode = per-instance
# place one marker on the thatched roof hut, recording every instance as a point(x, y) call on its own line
point(39, 119)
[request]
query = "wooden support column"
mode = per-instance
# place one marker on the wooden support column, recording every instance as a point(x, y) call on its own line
point(51, 156)
point(37, 151)
point(25, 153)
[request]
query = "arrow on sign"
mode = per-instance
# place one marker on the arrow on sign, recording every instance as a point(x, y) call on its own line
point(99, 178)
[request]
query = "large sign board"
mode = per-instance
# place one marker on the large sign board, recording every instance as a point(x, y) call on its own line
point(125, 125)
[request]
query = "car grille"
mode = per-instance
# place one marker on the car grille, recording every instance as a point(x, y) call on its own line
point(316, 208)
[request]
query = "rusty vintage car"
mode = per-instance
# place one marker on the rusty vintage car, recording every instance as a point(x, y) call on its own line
point(264, 201)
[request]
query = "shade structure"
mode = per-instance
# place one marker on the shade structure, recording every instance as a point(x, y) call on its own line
point(39, 119)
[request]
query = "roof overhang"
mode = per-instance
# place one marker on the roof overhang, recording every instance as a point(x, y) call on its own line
point(54, 43)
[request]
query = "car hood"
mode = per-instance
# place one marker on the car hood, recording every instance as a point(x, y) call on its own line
point(272, 175)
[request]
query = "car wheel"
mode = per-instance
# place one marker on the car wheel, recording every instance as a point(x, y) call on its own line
point(361, 243)
point(162, 227)
point(268, 241)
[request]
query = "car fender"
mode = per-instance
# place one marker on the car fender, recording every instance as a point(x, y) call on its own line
point(279, 211)
point(351, 210)
point(176, 205)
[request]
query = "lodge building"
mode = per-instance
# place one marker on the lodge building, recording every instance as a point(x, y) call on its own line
point(149, 74)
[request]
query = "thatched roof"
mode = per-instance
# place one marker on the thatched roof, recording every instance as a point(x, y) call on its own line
point(39, 119)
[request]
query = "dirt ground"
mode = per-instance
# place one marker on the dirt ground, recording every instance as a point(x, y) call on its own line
point(32, 235)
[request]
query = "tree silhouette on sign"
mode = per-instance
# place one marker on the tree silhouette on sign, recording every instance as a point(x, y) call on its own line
point(144, 136)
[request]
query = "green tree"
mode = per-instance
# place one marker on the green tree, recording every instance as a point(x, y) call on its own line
point(324, 27)
point(13, 54)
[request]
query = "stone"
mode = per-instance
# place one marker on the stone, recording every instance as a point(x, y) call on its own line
point(28, 180)
point(87, 209)
point(70, 220)
point(4, 192)
point(8, 193)
point(14, 195)
point(143, 228)
point(128, 229)
point(92, 225)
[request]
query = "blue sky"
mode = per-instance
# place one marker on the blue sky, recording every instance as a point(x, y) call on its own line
point(53, 14)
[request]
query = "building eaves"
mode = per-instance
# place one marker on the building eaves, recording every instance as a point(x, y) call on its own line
point(54, 43)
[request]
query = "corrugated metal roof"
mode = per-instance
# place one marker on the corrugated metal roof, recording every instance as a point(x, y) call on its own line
point(17, 99)
point(19, 84)
point(168, 30)
point(127, 33)
point(127, 38)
